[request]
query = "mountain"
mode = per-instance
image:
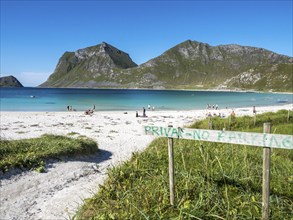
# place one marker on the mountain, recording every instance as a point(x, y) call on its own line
point(195, 65)
point(189, 65)
point(88, 67)
point(9, 81)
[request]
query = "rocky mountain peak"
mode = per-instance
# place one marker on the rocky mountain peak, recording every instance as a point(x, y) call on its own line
point(96, 62)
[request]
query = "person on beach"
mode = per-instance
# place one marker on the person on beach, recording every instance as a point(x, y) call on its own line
point(143, 115)
point(68, 107)
point(136, 114)
point(89, 112)
point(254, 110)
point(233, 114)
point(149, 106)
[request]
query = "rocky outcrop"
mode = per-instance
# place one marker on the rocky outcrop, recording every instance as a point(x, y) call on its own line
point(9, 81)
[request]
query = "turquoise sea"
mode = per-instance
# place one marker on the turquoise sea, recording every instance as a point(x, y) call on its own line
point(49, 99)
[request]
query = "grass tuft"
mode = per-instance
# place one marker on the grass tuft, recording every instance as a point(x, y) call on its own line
point(31, 153)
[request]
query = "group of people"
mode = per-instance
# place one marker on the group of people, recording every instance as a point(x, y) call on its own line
point(149, 107)
point(215, 115)
point(90, 111)
point(233, 114)
point(212, 106)
point(69, 108)
point(144, 111)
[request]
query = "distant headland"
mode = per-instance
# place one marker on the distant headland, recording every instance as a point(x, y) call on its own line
point(9, 81)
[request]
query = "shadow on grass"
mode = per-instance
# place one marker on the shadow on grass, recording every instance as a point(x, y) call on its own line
point(249, 186)
point(98, 157)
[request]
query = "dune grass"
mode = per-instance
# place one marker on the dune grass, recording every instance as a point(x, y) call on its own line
point(281, 123)
point(31, 153)
point(212, 180)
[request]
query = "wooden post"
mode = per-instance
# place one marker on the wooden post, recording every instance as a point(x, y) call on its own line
point(266, 176)
point(171, 169)
point(210, 124)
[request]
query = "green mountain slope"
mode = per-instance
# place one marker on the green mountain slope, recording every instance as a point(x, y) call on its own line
point(89, 67)
point(189, 65)
point(194, 65)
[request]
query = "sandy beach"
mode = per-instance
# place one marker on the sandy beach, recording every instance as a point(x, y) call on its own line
point(57, 193)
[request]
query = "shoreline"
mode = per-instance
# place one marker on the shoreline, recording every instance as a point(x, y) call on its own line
point(160, 89)
point(277, 105)
point(59, 191)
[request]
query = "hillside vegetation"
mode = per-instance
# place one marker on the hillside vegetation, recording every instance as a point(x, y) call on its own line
point(212, 180)
point(89, 67)
point(188, 65)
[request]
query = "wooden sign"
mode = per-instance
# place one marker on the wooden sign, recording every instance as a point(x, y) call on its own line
point(265, 140)
point(232, 137)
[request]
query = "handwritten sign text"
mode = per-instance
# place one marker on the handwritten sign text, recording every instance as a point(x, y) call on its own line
point(232, 137)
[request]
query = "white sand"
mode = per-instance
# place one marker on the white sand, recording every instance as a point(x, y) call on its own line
point(57, 193)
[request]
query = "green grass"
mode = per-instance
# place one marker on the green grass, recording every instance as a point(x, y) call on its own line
point(280, 123)
point(31, 153)
point(212, 181)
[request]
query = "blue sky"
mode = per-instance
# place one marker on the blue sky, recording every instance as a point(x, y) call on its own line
point(34, 34)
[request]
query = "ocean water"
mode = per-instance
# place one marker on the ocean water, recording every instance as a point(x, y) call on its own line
point(57, 99)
